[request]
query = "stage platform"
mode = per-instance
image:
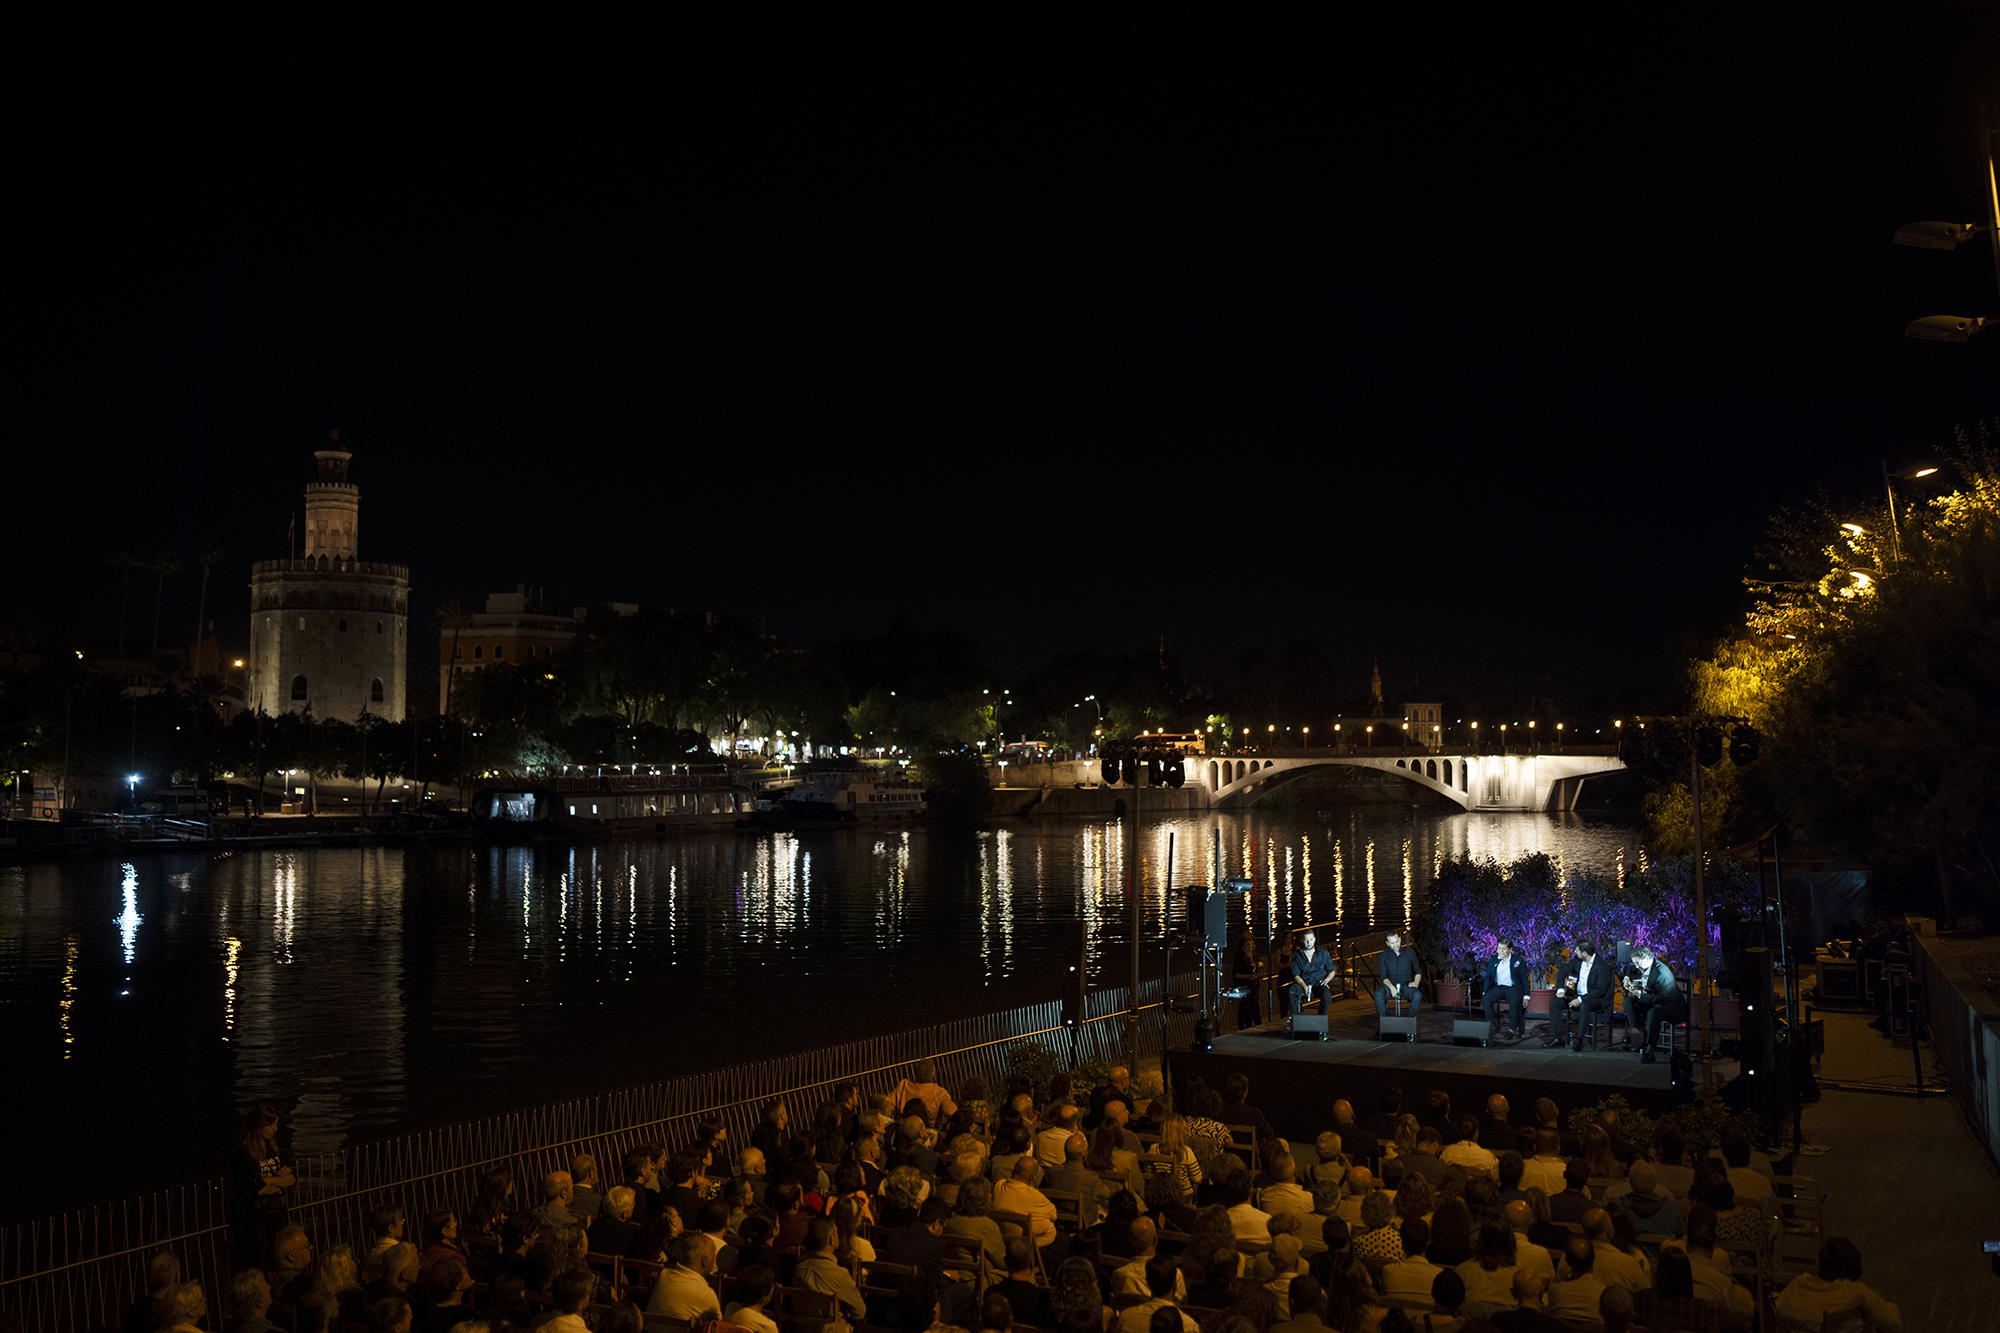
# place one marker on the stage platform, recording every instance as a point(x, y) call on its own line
point(1295, 1081)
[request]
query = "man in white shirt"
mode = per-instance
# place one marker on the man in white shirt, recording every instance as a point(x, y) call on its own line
point(1410, 1278)
point(1285, 1196)
point(1528, 1255)
point(1248, 1220)
point(1360, 1180)
point(1018, 1194)
point(1130, 1280)
point(1161, 1271)
point(1545, 1168)
point(682, 1291)
point(754, 1286)
point(1575, 1296)
point(1467, 1152)
point(1506, 979)
point(1712, 1281)
point(1614, 1267)
point(1051, 1142)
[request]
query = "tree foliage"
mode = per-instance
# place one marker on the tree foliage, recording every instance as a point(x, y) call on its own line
point(1870, 659)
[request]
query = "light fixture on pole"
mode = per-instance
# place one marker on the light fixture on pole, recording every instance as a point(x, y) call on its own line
point(1947, 236)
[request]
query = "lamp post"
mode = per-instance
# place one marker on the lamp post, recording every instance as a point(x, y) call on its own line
point(1475, 738)
point(1307, 732)
point(1946, 236)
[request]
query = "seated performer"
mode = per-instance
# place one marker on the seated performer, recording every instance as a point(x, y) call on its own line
point(1401, 974)
point(1506, 979)
point(1312, 977)
point(1655, 996)
point(1584, 992)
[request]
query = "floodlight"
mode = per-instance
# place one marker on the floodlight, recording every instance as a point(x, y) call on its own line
point(1937, 235)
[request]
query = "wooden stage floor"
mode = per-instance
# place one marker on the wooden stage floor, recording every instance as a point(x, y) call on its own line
point(1357, 1066)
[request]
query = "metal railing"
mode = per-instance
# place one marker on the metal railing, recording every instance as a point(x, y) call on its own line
point(79, 1270)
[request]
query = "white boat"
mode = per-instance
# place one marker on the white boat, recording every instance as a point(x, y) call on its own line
point(862, 795)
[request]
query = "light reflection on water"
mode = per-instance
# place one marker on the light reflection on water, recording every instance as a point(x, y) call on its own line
point(377, 990)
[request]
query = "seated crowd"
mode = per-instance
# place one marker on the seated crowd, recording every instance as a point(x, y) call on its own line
point(919, 1211)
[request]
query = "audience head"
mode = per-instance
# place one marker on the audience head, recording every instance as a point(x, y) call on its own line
point(1482, 1196)
point(1511, 1167)
point(1548, 1143)
point(916, 1304)
point(1579, 1254)
point(1839, 1260)
point(1576, 1173)
point(1527, 1287)
point(389, 1314)
point(1468, 1128)
point(1451, 1233)
point(1327, 1145)
point(1359, 1180)
point(1376, 1210)
point(1494, 1246)
point(1448, 1291)
point(996, 1313)
point(1701, 1227)
point(1429, 1140)
point(1496, 1106)
point(1415, 1234)
point(1717, 1193)
point(316, 1312)
point(1546, 1112)
point(1343, 1112)
point(249, 1294)
point(1145, 1236)
point(1020, 1255)
point(163, 1270)
point(1415, 1199)
point(1519, 1216)
point(557, 1187)
point(975, 1197)
point(387, 1219)
point(292, 1249)
point(1614, 1307)
point(819, 1234)
point(1160, 1272)
point(1305, 1295)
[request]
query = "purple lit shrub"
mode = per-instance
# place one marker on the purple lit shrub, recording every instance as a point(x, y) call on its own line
point(1473, 904)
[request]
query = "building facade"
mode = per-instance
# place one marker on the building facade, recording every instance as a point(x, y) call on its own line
point(1425, 723)
point(513, 628)
point(328, 630)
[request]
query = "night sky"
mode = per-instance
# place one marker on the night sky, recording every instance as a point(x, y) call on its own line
point(1484, 351)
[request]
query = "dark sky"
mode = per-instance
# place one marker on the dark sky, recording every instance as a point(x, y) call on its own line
point(1486, 351)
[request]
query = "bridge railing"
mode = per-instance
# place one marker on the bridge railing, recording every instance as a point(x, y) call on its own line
point(1360, 750)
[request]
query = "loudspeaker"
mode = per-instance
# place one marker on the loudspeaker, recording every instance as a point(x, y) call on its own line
point(1309, 1025)
point(1208, 911)
point(1072, 973)
point(1470, 1031)
point(1397, 1029)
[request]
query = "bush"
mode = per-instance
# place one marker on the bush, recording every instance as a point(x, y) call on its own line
point(1040, 1064)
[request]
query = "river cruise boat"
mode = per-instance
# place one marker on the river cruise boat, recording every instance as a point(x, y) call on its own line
point(625, 803)
point(857, 796)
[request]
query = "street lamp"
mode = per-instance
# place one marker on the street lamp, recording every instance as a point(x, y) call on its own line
point(1946, 236)
point(1307, 732)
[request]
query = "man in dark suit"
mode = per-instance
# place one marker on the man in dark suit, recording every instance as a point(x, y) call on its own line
point(1506, 979)
point(1584, 994)
point(1355, 1141)
point(1656, 998)
point(1495, 1134)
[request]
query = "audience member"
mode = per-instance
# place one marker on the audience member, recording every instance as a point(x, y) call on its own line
point(1409, 1278)
point(571, 1293)
point(1283, 1194)
point(1423, 1160)
point(1530, 1313)
point(682, 1292)
point(586, 1199)
point(1510, 1167)
point(1020, 1193)
point(1528, 1253)
point(1468, 1152)
point(1835, 1288)
point(1574, 1298)
point(291, 1276)
point(1162, 1278)
point(1494, 1133)
point(1388, 1119)
point(249, 1301)
point(1489, 1274)
point(1071, 1176)
point(1379, 1237)
point(1574, 1200)
point(1018, 1287)
point(1598, 1156)
point(969, 1218)
point(1355, 1141)
point(1616, 1265)
point(1545, 1168)
point(1548, 1116)
point(1051, 1143)
point(1306, 1300)
point(1237, 1111)
point(1249, 1221)
point(185, 1306)
point(1615, 1309)
point(1670, 1160)
point(1359, 1184)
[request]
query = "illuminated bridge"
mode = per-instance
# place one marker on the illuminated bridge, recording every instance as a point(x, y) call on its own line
point(1517, 780)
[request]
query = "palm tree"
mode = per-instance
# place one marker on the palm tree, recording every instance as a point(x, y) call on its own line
point(127, 561)
point(162, 564)
point(208, 557)
point(456, 617)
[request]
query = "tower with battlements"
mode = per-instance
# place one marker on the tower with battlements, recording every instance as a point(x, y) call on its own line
point(329, 631)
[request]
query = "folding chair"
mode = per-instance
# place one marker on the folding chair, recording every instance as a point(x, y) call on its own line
point(1069, 1209)
point(1802, 1214)
point(1022, 1225)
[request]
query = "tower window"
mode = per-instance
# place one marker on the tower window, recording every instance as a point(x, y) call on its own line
point(499, 651)
point(375, 691)
point(479, 650)
point(298, 688)
point(343, 625)
point(302, 622)
point(378, 627)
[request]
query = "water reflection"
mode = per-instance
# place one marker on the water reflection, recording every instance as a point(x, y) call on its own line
point(376, 990)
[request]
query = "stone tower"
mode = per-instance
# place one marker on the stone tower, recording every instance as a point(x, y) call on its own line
point(329, 630)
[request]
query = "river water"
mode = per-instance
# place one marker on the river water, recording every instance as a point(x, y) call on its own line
point(374, 991)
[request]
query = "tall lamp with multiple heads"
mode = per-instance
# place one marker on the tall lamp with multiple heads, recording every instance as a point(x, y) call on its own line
point(1947, 236)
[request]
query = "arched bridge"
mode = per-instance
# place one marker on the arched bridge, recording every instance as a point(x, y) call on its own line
point(1474, 781)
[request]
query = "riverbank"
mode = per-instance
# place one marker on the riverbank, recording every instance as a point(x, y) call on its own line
point(35, 840)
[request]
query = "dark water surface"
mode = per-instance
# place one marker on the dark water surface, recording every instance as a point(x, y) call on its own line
point(373, 991)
